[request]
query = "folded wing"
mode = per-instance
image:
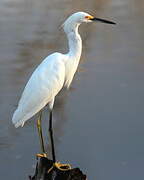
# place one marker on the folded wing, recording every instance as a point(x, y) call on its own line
point(41, 89)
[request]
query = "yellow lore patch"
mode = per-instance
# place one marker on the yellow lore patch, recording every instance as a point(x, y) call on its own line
point(89, 17)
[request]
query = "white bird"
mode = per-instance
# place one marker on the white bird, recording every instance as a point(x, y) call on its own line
point(56, 71)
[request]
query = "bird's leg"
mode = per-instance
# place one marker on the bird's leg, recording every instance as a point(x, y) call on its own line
point(51, 137)
point(39, 127)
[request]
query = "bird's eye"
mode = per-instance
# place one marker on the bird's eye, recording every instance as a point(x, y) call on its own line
point(89, 17)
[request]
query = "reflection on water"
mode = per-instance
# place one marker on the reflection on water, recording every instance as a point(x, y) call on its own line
point(99, 123)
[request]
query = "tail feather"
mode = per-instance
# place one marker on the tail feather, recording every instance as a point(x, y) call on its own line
point(18, 120)
point(21, 115)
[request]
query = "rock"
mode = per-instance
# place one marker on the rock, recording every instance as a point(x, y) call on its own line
point(45, 170)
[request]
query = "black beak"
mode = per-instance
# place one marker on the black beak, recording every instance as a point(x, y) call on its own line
point(102, 20)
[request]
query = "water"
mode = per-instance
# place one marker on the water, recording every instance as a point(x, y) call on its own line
point(99, 123)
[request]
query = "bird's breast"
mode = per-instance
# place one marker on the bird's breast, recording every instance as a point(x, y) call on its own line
point(70, 70)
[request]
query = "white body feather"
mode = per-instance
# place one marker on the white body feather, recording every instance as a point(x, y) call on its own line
point(56, 71)
point(44, 84)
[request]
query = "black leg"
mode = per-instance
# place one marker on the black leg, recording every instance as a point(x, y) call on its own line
point(51, 137)
point(40, 132)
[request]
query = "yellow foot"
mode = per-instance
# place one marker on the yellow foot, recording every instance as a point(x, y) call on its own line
point(41, 155)
point(61, 167)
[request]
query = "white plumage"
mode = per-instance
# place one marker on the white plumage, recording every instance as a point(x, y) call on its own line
point(44, 84)
point(56, 71)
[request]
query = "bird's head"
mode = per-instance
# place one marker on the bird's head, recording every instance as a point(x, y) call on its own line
point(76, 19)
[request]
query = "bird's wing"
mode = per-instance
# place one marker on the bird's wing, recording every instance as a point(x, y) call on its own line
point(42, 87)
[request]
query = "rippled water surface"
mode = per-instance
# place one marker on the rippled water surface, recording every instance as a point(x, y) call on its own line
point(99, 123)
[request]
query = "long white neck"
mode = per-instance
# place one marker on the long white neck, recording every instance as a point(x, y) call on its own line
point(75, 43)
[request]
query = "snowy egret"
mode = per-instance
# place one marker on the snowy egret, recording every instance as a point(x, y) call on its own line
point(56, 71)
